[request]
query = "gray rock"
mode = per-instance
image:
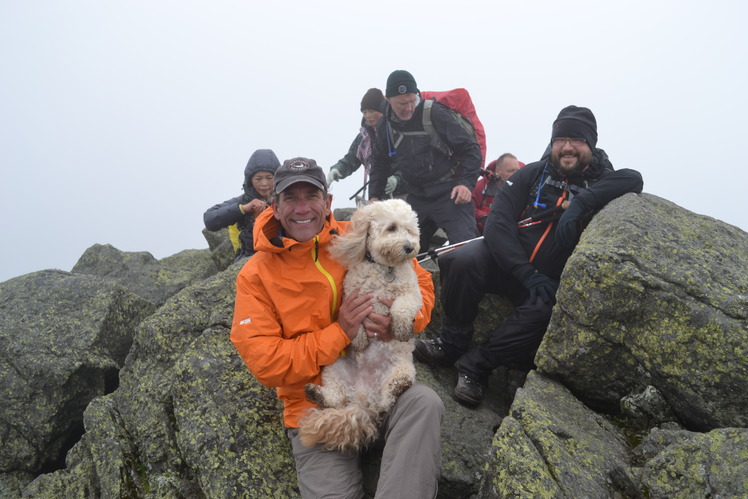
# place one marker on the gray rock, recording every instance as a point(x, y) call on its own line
point(221, 249)
point(687, 464)
point(648, 408)
point(551, 445)
point(63, 338)
point(655, 295)
point(144, 275)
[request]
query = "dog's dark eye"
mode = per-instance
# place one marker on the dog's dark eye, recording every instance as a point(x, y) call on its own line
point(391, 228)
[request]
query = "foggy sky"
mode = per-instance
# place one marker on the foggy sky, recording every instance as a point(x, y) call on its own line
point(121, 122)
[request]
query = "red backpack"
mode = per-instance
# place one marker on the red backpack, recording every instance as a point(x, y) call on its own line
point(459, 101)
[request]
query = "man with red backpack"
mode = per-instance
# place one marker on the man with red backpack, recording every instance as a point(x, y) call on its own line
point(440, 167)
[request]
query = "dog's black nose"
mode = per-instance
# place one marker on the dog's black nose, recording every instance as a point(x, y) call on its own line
point(408, 249)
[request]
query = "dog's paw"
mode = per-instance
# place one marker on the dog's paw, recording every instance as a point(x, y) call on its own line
point(361, 341)
point(402, 329)
point(399, 384)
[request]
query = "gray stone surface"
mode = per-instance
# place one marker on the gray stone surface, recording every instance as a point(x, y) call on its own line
point(144, 275)
point(655, 295)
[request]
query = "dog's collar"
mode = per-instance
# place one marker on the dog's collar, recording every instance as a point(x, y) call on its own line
point(390, 275)
point(369, 258)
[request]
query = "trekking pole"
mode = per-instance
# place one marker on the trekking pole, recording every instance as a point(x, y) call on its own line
point(361, 189)
point(434, 253)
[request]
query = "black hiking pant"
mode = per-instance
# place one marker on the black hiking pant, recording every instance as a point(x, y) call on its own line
point(467, 274)
point(441, 212)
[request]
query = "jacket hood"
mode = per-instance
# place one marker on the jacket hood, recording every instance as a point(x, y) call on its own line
point(262, 160)
point(267, 231)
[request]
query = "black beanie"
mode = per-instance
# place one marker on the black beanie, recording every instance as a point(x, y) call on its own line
point(576, 122)
point(400, 82)
point(373, 100)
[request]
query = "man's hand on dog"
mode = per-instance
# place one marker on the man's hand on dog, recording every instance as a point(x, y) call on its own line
point(353, 310)
point(379, 326)
point(357, 309)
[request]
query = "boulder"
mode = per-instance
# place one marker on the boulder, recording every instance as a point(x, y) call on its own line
point(655, 295)
point(155, 280)
point(221, 249)
point(552, 445)
point(680, 463)
point(63, 340)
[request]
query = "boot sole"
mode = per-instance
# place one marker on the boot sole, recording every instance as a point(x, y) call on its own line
point(466, 401)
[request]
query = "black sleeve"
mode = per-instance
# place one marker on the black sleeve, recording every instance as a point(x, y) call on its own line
point(224, 214)
point(350, 162)
point(501, 232)
point(612, 184)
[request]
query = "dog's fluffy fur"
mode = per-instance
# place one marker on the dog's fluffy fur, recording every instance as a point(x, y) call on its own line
point(361, 386)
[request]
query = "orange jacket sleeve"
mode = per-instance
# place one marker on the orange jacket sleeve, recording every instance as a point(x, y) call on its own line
point(425, 281)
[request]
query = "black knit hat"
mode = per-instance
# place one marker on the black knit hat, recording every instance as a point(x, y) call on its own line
point(576, 122)
point(401, 82)
point(299, 170)
point(373, 99)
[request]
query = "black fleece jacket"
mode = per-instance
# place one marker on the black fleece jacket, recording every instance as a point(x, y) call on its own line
point(524, 250)
point(427, 169)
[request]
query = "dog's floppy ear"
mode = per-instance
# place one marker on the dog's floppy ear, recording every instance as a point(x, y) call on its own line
point(351, 246)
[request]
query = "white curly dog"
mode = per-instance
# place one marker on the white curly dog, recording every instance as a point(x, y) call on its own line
point(362, 385)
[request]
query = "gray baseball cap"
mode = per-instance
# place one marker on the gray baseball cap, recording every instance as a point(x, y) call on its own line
point(299, 170)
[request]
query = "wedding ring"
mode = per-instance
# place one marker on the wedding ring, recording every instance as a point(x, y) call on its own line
point(376, 336)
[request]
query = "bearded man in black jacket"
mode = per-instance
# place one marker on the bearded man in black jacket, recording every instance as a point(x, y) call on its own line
point(532, 228)
point(439, 174)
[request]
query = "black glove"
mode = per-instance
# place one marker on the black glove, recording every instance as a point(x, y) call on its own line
point(567, 227)
point(541, 286)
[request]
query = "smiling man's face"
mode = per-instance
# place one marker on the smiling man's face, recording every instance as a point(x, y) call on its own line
point(571, 156)
point(302, 209)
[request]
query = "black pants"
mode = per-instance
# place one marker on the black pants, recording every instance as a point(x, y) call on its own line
point(467, 274)
point(441, 212)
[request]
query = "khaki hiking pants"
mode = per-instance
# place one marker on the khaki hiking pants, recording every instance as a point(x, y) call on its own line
point(411, 458)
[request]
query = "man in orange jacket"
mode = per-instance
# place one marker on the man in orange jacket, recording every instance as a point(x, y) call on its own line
point(291, 320)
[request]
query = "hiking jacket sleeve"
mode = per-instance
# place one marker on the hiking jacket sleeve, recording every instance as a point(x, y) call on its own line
point(350, 162)
point(464, 145)
point(224, 214)
point(609, 186)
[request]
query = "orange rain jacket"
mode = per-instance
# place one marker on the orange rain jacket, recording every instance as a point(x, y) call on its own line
point(287, 297)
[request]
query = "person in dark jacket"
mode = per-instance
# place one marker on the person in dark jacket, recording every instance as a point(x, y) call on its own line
point(439, 175)
point(533, 226)
point(372, 105)
point(239, 213)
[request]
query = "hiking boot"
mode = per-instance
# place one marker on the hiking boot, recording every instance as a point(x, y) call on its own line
point(469, 390)
point(431, 352)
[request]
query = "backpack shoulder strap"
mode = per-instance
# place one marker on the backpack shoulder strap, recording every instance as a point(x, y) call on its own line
point(428, 127)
